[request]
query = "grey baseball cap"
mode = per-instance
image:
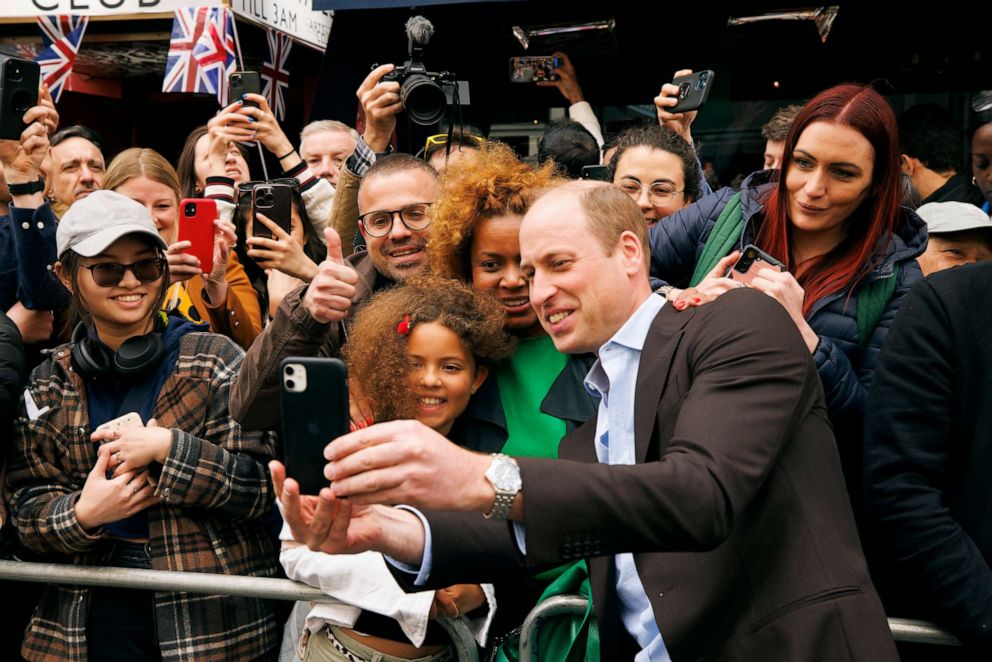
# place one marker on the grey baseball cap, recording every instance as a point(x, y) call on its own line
point(93, 223)
point(945, 217)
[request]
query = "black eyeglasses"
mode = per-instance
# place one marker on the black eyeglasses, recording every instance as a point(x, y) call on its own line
point(108, 274)
point(248, 187)
point(380, 223)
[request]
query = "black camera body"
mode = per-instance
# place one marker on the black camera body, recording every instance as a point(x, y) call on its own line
point(421, 91)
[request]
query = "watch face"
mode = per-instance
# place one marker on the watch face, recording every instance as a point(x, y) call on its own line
point(506, 476)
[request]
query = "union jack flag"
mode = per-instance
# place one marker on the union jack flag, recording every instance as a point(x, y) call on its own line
point(201, 52)
point(275, 76)
point(61, 36)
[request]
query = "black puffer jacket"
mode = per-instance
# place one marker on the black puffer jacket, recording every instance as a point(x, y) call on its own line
point(845, 370)
point(13, 372)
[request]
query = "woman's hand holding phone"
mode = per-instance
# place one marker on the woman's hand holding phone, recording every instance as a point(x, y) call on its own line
point(268, 131)
point(280, 252)
point(104, 500)
point(784, 288)
point(182, 265)
point(680, 123)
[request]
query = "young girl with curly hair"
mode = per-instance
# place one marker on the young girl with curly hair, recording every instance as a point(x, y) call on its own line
point(420, 350)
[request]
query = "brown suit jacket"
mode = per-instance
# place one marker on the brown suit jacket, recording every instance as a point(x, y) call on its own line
point(736, 512)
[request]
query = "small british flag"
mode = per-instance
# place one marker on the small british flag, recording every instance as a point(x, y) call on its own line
point(61, 36)
point(201, 52)
point(275, 75)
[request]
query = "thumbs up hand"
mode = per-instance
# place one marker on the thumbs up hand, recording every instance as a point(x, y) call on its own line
point(328, 299)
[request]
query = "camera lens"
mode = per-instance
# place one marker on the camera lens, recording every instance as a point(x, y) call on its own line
point(751, 255)
point(190, 209)
point(684, 90)
point(14, 72)
point(423, 99)
point(290, 384)
point(289, 370)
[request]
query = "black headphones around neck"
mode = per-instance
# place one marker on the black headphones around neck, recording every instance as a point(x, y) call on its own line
point(135, 356)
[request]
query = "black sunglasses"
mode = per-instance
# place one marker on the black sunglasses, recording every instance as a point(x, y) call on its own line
point(108, 274)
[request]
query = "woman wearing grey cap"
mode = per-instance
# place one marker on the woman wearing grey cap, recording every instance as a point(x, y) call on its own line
point(125, 455)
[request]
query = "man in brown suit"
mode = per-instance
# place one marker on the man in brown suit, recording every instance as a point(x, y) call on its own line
point(707, 494)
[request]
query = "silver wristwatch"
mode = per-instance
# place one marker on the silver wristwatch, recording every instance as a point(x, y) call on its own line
point(504, 475)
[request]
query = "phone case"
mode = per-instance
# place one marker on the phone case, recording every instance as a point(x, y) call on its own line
point(275, 202)
point(18, 94)
point(129, 420)
point(196, 225)
point(694, 90)
point(751, 261)
point(242, 82)
point(534, 68)
point(314, 413)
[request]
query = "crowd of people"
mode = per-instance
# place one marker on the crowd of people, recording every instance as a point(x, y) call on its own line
point(556, 386)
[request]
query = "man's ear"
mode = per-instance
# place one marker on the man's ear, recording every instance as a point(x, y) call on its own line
point(908, 164)
point(633, 251)
point(63, 277)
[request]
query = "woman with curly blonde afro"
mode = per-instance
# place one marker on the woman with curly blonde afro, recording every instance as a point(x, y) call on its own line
point(537, 394)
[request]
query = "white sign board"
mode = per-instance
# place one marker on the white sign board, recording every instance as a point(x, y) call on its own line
point(32, 8)
point(294, 17)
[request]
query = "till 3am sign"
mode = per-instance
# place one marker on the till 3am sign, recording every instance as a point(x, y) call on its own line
point(293, 17)
point(31, 8)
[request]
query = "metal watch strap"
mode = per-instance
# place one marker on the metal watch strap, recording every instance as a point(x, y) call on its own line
point(501, 506)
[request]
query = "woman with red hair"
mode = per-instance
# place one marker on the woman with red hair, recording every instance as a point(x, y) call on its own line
point(833, 219)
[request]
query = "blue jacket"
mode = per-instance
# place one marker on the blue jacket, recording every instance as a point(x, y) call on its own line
point(27, 253)
point(845, 370)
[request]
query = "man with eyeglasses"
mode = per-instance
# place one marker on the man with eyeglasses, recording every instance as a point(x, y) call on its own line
point(394, 201)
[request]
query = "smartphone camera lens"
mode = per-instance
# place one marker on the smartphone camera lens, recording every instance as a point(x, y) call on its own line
point(751, 255)
point(289, 371)
point(190, 209)
point(290, 384)
point(14, 72)
point(703, 79)
point(684, 90)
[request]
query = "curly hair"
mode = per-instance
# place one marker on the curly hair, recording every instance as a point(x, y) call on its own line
point(657, 137)
point(376, 350)
point(496, 184)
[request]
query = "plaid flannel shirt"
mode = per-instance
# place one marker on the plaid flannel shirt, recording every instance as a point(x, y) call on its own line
point(214, 488)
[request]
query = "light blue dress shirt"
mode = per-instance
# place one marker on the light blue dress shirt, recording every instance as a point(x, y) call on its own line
point(612, 377)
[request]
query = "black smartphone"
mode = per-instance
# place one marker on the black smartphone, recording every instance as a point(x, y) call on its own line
point(751, 261)
point(243, 82)
point(534, 68)
point(599, 173)
point(694, 90)
point(18, 94)
point(275, 202)
point(314, 413)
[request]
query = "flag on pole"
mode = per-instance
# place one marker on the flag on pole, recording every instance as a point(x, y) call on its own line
point(275, 75)
point(61, 36)
point(201, 52)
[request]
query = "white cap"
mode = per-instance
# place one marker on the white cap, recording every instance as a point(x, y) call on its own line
point(945, 217)
point(101, 218)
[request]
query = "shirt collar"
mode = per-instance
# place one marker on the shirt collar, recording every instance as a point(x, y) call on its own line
point(635, 330)
point(631, 335)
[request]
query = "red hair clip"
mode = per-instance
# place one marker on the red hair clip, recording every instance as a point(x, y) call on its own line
point(405, 326)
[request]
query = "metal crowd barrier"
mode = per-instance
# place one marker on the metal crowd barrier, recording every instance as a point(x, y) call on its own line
point(919, 632)
point(285, 589)
point(200, 582)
